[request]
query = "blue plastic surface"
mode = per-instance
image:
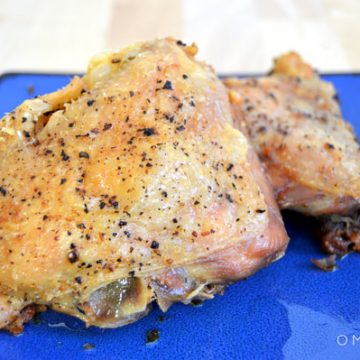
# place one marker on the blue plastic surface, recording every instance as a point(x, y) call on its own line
point(290, 310)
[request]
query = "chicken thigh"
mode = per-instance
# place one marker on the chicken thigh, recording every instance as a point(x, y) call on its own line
point(310, 152)
point(127, 186)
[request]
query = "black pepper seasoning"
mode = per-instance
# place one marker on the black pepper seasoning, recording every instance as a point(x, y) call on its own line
point(154, 244)
point(107, 126)
point(230, 166)
point(149, 131)
point(122, 223)
point(180, 43)
point(152, 336)
point(330, 146)
point(114, 204)
point(64, 156)
point(3, 192)
point(73, 256)
point(168, 85)
point(84, 154)
point(260, 211)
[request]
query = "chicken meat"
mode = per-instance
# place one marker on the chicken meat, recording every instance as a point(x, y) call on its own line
point(310, 152)
point(127, 186)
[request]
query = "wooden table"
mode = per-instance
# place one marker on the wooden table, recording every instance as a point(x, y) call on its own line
point(234, 36)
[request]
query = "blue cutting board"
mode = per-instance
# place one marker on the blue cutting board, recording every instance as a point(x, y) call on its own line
point(290, 310)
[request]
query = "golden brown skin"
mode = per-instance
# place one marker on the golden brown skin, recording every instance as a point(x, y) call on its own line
point(130, 185)
point(310, 153)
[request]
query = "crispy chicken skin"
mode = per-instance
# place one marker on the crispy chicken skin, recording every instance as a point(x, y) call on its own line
point(127, 186)
point(310, 153)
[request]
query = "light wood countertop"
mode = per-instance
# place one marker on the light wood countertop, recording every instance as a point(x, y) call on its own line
point(233, 36)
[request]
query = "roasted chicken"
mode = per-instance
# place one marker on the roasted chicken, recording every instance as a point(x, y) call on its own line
point(310, 152)
point(127, 186)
